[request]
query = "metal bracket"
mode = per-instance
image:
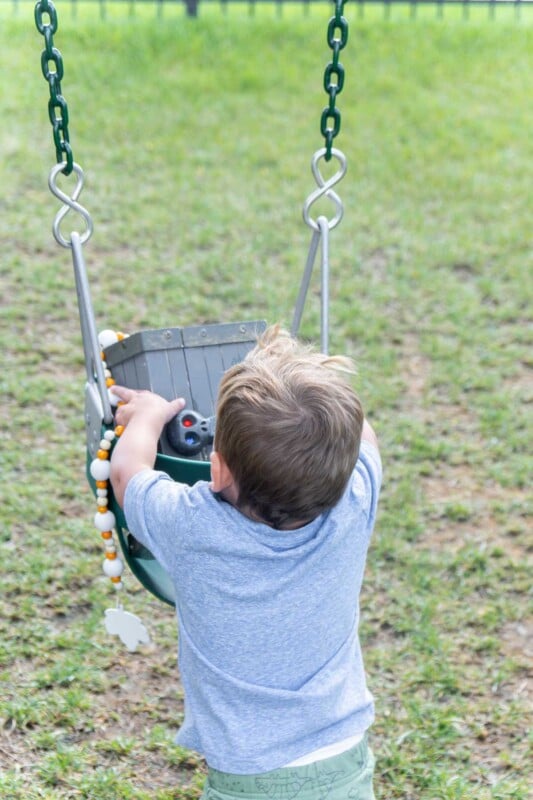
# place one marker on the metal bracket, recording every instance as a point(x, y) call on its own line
point(91, 346)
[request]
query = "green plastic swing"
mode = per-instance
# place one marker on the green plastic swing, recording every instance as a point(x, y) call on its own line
point(174, 362)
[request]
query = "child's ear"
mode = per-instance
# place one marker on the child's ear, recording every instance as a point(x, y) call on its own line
point(221, 477)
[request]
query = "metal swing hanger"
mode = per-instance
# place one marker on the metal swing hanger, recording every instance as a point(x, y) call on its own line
point(321, 228)
point(96, 381)
point(330, 123)
point(52, 69)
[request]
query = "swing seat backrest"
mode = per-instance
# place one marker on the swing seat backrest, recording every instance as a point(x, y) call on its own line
point(177, 362)
point(182, 362)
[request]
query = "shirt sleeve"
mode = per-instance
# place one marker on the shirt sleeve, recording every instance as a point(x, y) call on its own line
point(367, 480)
point(158, 512)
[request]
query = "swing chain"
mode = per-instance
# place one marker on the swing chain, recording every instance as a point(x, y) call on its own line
point(57, 105)
point(330, 121)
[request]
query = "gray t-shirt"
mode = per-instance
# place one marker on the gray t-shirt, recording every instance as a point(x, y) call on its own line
point(268, 620)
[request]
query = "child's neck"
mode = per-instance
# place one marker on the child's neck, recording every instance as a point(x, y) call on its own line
point(229, 496)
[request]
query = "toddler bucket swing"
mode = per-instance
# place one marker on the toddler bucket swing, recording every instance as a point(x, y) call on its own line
point(177, 361)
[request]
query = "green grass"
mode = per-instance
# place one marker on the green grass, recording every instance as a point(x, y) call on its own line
point(196, 141)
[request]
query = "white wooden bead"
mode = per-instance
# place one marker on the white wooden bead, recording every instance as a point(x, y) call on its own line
point(113, 398)
point(101, 492)
point(105, 444)
point(102, 501)
point(104, 521)
point(113, 568)
point(106, 338)
point(100, 469)
point(110, 435)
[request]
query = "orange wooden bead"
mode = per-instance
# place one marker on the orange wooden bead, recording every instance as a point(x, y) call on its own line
point(110, 382)
point(116, 580)
point(120, 336)
point(119, 430)
point(102, 454)
point(101, 484)
point(107, 534)
point(102, 355)
point(102, 509)
point(111, 556)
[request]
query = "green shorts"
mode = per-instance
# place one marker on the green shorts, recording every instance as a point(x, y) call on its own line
point(347, 776)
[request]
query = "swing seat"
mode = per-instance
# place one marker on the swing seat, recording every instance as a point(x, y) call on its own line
point(173, 362)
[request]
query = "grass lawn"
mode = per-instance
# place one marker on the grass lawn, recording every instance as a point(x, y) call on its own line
point(196, 140)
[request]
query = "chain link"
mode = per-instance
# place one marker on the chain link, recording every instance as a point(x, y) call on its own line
point(337, 36)
point(46, 22)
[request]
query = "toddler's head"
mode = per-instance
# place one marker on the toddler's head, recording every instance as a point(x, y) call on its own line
point(289, 429)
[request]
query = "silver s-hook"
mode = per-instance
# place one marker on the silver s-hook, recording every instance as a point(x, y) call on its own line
point(69, 203)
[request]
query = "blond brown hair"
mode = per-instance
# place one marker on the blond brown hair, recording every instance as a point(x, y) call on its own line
point(289, 429)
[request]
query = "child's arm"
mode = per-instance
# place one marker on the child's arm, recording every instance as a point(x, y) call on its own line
point(143, 415)
point(367, 433)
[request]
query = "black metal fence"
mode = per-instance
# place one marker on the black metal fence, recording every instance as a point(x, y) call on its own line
point(387, 8)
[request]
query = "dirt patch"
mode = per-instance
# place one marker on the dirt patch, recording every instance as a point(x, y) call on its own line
point(415, 369)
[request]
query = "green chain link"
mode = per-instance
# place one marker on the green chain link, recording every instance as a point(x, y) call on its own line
point(330, 121)
point(57, 105)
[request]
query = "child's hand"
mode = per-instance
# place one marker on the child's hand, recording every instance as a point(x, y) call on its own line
point(143, 415)
point(152, 408)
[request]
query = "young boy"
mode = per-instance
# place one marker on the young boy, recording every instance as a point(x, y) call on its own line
point(267, 562)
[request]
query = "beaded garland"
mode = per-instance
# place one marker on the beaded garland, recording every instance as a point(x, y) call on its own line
point(104, 519)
